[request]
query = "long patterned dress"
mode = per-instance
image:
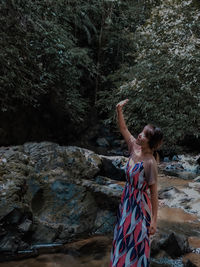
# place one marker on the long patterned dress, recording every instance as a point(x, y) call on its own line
point(130, 247)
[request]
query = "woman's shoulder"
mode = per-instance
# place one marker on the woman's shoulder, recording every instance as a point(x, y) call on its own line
point(150, 170)
point(150, 162)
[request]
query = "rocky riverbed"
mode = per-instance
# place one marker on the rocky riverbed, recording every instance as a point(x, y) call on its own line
point(63, 200)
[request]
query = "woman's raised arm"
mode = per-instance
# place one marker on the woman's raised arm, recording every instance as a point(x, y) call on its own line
point(121, 122)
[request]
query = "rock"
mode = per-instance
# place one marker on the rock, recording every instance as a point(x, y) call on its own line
point(113, 167)
point(198, 169)
point(168, 192)
point(76, 162)
point(175, 166)
point(175, 158)
point(25, 226)
point(56, 205)
point(96, 247)
point(156, 264)
point(155, 247)
point(175, 245)
point(13, 217)
point(197, 179)
point(107, 192)
point(117, 152)
point(186, 167)
point(102, 142)
point(51, 193)
point(104, 223)
point(12, 242)
point(190, 264)
point(117, 143)
point(166, 159)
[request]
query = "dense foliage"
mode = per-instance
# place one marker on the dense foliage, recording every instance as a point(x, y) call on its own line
point(40, 57)
point(77, 55)
point(163, 82)
point(56, 50)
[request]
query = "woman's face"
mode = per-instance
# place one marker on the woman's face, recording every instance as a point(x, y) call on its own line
point(142, 139)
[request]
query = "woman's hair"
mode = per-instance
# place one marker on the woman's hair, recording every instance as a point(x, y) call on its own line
point(155, 136)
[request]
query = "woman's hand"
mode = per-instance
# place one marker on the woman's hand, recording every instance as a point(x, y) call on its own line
point(152, 228)
point(121, 104)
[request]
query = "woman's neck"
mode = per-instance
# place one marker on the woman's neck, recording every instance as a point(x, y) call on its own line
point(146, 151)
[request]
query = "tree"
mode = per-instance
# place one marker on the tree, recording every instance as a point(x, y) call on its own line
point(163, 81)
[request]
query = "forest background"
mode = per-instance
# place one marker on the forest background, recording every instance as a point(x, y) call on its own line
point(65, 64)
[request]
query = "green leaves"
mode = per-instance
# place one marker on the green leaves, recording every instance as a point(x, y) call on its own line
point(90, 52)
point(162, 83)
point(45, 60)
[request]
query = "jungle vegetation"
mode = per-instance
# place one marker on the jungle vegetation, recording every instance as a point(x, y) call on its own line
point(90, 54)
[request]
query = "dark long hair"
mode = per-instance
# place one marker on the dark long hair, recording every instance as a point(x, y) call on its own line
point(155, 136)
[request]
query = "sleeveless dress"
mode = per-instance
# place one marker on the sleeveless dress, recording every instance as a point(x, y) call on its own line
point(130, 246)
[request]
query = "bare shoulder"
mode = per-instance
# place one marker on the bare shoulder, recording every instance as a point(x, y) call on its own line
point(151, 163)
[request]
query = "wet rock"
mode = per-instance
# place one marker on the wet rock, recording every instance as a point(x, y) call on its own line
point(117, 152)
point(173, 166)
point(13, 217)
point(185, 167)
point(12, 242)
point(102, 142)
point(198, 170)
point(168, 192)
point(113, 167)
point(117, 143)
point(25, 226)
point(104, 222)
point(197, 179)
point(94, 247)
point(156, 264)
point(190, 264)
point(166, 159)
point(41, 179)
point(175, 158)
point(175, 245)
point(106, 191)
point(155, 247)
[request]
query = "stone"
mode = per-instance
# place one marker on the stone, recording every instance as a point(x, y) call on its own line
point(175, 245)
point(117, 143)
point(175, 158)
point(25, 226)
point(168, 192)
point(40, 193)
point(104, 222)
point(156, 264)
point(197, 179)
point(166, 159)
point(155, 247)
point(102, 142)
point(190, 264)
point(117, 152)
point(113, 167)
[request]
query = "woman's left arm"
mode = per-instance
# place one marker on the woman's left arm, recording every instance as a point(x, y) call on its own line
point(154, 204)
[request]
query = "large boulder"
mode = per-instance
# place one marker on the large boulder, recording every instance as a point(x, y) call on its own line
point(51, 193)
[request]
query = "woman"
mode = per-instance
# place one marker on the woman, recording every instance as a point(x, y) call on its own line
point(137, 212)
